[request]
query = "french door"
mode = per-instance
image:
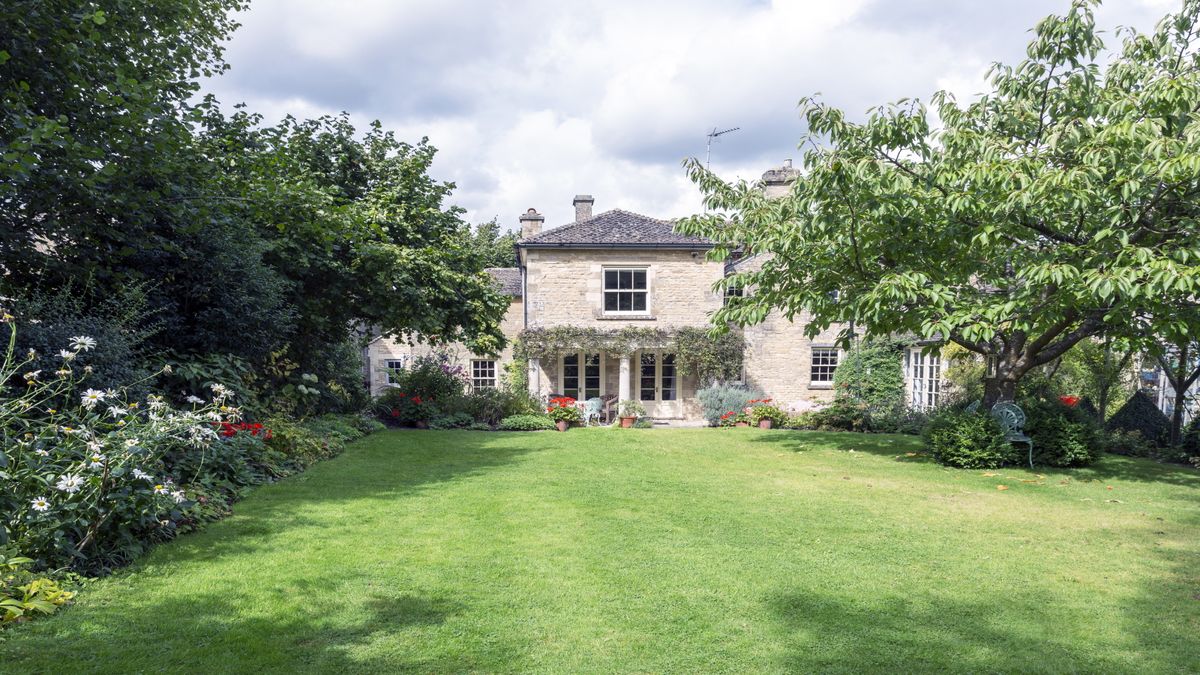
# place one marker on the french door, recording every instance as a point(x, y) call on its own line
point(581, 376)
point(658, 384)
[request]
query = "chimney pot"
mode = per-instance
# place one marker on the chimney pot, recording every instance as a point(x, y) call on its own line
point(583, 207)
point(531, 223)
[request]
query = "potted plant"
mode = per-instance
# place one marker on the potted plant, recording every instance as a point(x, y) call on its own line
point(563, 411)
point(766, 416)
point(630, 411)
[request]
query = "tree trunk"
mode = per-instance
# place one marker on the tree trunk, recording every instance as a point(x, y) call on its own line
point(997, 389)
point(1177, 415)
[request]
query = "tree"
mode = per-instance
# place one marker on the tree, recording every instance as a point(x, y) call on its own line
point(493, 247)
point(250, 240)
point(1058, 206)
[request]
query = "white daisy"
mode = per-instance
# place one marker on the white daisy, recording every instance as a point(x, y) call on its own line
point(94, 445)
point(33, 375)
point(83, 343)
point(179, 497)
point(66, 355)
point(131, 442)
point(40, 504)
point(117, 411)
point(142, 475)
point(62, 372)
point(220, 390)
point(160, 489)
point(42, 452)
point(96, 461)
point(69, 483)
point(91, 397)
point(194, 400)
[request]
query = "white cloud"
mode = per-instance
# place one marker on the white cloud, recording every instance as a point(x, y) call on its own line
point(532, 102)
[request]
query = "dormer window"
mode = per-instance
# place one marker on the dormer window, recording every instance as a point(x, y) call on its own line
point(626, 290)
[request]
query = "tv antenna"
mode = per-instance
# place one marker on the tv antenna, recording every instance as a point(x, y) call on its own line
point(711, 135)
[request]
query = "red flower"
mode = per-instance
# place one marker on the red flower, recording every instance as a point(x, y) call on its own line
point(395, 412)
point(416, 400)
point(1069, 401)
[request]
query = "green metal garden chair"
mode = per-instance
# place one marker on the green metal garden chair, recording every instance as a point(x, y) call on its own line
point(1012, 420)
point(593, 408)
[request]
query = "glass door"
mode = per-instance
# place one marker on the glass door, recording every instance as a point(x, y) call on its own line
point(658, 384)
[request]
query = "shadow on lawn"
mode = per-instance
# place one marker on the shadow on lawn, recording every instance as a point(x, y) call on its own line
point(387, 466)
point(200, 633)
point(927, 634)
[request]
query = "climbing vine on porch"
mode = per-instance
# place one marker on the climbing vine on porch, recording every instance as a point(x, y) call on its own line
point(697, 351)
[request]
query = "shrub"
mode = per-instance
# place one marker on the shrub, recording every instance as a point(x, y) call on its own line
point(1129, 443)
point(643, 423)
point(526, 423)
point(1062, 435)
point(632, 408)
point(87, 476)
point(1140, 414)
point(766, 411)
point(721, 398)
point(489, 406)
point(968, 440)
point(802, 420)
point(841, 415)
point(431, 386)
point(897, 419)
point(479, 426)
point(457, 420)
point(872, 373)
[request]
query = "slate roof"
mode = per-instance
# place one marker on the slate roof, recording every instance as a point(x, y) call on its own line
point(615, 229)
point(508, 278)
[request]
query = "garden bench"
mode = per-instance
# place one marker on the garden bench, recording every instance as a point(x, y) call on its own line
point(1012, 421)
point(592, 410)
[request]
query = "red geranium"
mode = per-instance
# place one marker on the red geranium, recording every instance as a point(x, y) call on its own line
point(1069, 401)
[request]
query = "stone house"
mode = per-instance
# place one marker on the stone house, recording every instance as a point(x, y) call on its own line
point(617, 269)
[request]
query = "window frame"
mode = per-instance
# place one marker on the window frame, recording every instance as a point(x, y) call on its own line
point(821, 374)
point(388, 369)
point(925, 378)
point(632, 290)
point(492, 381)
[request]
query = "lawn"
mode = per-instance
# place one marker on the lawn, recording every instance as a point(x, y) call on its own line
point(658, 550)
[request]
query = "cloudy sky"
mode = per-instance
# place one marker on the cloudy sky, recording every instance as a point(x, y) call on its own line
point(531, 102)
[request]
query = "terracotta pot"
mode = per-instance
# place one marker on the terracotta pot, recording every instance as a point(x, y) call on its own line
point(627, 422)
point(764, 424)
point(562, 425)
point(742, 424)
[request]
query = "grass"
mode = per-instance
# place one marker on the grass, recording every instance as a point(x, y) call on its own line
point(653, 551)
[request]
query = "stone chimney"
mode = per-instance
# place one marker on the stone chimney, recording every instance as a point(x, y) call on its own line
point(583, 207)
point(777, 182)
point(531, 223)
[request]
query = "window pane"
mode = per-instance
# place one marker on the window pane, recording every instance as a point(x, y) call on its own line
point(639, 302)
point(610, 279)
point(824, 362)
point(625, 302)
point(639, 279)
point(668, 377)
point(648, 372)
point(610, 302)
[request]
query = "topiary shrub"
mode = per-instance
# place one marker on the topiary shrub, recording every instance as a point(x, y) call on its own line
point(1140, 414)
point(526, 423)
point(1062, 435)
point(720, 398)
point(968, 440)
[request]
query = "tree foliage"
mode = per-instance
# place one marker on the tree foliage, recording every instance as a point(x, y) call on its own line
point(259, 242)
point(1057, 206)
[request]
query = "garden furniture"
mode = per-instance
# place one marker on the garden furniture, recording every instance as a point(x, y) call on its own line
point(1012, 421)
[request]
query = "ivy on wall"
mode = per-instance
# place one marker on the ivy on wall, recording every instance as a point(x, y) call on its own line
point(697, 351)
